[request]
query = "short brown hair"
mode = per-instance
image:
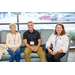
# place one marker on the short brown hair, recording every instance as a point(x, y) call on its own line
point(63, 32)
point(30, 22)
point(12, 25)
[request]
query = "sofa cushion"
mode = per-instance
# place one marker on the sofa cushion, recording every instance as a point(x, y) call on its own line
point(65, 57)
point(7, 57)
point(22, 31)
point(3, 35)
point(45, 33)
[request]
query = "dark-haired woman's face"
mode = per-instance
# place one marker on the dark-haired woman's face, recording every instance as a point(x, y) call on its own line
point(59, 29)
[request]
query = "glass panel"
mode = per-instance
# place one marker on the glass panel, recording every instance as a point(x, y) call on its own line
point(48, 26)
point(8, 17)
point(5, 27)
point(24, 17)
point(23, 27)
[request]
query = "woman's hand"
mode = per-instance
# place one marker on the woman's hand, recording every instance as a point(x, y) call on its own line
point(49, 50)
point(54, 53)
point(14, 48)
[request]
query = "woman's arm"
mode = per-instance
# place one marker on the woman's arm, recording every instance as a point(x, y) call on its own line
point(7, 41)
point(55, 52)
point(19, 41)
point(65, 44)
point(48, 43)
point(49, 50)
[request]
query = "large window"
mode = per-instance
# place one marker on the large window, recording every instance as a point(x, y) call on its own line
point(46, 17)
point(41, 20)
point(8, 17)
point(37, 17)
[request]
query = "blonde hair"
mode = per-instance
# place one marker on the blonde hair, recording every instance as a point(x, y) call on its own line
point(12, 25)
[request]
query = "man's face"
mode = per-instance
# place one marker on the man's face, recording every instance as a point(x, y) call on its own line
point(30, 26)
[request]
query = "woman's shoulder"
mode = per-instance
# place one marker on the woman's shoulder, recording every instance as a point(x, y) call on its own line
point(52, 34)
point(65, 36)
point(18, 33)
point(9, 34)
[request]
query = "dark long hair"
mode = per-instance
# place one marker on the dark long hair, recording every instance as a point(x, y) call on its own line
point(63, 32)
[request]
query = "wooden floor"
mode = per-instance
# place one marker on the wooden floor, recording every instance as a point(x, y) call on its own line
point(71, 56)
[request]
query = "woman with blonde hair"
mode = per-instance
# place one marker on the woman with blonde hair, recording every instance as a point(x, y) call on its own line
point(60, 42)
point(13, 41)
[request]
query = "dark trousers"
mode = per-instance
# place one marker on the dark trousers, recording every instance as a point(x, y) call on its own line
point(54, 58)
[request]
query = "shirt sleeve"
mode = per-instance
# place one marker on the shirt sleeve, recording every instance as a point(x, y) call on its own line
point(19, 40)
point(7, 41)
point(39, 36)
point(24, 36)
point(65, 44)
point(48, 43)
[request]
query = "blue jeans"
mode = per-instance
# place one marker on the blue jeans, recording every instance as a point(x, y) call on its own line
point(14, 55)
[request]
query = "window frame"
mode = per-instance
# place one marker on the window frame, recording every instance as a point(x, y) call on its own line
point(35, 22)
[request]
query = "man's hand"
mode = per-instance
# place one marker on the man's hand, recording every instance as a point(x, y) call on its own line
point(35, 49)
point(32, 48)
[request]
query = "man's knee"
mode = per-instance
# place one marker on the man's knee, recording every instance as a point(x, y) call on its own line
point(26, 51)
point(42, 54)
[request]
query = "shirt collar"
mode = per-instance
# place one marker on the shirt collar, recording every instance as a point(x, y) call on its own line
point(32, 32)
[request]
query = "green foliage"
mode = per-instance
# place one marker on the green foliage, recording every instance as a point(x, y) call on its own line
point(72, 33)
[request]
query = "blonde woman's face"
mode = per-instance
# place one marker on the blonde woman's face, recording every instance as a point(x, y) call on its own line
point(13, 29)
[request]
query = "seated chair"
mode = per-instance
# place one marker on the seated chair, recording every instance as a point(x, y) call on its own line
point(45, 34)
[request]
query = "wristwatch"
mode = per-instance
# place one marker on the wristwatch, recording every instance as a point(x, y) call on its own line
point(57, 51)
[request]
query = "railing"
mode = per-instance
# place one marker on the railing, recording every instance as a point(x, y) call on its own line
point(38, 23)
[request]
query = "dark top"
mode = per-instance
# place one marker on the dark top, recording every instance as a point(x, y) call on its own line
point(35, 35)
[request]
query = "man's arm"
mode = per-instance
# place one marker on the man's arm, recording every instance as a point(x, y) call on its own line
point(39, 43)
point(26, 44)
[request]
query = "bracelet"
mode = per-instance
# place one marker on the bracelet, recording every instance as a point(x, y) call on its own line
point(51, 52)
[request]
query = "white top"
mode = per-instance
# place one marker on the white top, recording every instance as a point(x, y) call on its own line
point(62, 43)
point(10, 39)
